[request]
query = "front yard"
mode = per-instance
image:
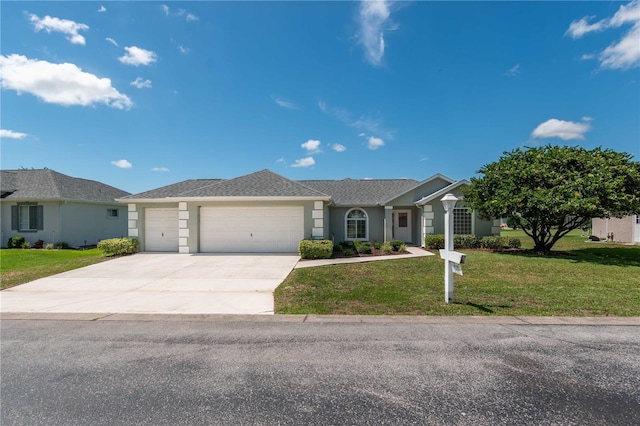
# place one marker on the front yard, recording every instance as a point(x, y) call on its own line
point(578, 279)
point(18, 266)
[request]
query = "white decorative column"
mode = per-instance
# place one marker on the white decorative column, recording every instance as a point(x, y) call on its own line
point(132, 215)
point(388, 223)
point(317, 215)
point(183, 228)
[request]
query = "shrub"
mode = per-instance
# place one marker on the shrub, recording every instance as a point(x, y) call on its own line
point(48, 246)
point(119, 246)
point(493, 243)
point(387, 248)
point(15, 242)
point(337, 248)
point(377, 246)
point(315, 249)
point(348, 252)
point(402, 248)
point(396, 244)
point(25, 245)
point(38, 244)
point(513, 242)
point(363, 247)
point(62, 245)
point(434, 242)
point(465, 241)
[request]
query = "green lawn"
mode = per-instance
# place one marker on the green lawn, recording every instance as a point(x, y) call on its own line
point(19, 266)
point(577, 279)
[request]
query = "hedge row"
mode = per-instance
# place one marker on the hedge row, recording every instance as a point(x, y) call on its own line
point(119, 246)
point(436, 242)
point(315, 249)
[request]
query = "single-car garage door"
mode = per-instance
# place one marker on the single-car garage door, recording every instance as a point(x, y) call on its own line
point(251, 229)
point(161, 229)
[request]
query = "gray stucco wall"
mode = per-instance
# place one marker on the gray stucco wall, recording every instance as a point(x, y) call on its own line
point(337, 218)
point(622, 228)
point(70, 222)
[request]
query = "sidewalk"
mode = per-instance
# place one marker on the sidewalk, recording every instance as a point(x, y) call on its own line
point(365, 319)
point(413, 252)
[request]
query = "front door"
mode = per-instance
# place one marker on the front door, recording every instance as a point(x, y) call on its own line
point(402, 225)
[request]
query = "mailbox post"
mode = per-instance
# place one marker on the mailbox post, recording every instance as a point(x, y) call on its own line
point(452, 259)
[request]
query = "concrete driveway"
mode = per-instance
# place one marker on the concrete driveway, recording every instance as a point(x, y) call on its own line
point(159, 283)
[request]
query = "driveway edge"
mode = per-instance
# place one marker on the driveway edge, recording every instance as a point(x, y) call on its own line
point(369, 319)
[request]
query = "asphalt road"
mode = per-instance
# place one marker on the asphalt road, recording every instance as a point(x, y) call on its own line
point(269, 373)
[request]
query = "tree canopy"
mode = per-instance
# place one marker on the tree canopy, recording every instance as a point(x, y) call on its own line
point(549, 191)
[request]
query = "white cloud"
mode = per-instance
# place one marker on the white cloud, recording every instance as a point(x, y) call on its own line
point(183, 50)
point(338, 147)
point(587, 56)
point(623, 53)
point(190, 17)
point(64, 26)
point(62, 84)
point(123, 164)
point(513, 71)
point(565, 130)
point(112, 41)
point(587, 118)
point(281, 160)
point(159, 169)
point(137, 56)
point(304, 162)
point(374, 143)
point(373, 20)
point(312, 146)
point(10, 134)
point(141, 84)
point(581, 27)
point(284, 103)
point(364, 123)
point(102, 9)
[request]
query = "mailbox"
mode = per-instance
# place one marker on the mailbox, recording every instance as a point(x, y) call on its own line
point(453, 256)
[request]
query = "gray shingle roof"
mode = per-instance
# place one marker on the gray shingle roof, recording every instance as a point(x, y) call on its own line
point(361, 192)
point(45, 184)
point(264, 183)
point(175, 189)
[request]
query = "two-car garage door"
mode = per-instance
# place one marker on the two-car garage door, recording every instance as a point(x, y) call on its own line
point(251, 229)
point(229, 229)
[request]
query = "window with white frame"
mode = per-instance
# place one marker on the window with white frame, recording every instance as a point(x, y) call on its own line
point(27, 217)
point(357, 225)
point(462, 221)
point(113, 213)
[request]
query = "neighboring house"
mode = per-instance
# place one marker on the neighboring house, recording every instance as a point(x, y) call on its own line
point(266, 212)
point(41, 204)
point(625, 230)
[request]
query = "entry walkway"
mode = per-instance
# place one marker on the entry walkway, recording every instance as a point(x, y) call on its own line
point(413, 252)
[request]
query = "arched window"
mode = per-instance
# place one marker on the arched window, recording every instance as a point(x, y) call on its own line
point(357, 225)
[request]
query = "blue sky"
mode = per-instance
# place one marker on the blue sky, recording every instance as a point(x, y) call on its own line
point(143, 94)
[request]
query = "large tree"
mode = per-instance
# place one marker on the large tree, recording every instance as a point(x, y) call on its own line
point(549, 191)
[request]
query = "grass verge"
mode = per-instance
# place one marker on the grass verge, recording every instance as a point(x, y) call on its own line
point(578, 278)
point(19, 266)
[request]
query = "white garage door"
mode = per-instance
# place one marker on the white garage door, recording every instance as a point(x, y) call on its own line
point(161, 229)
point(251, 230)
